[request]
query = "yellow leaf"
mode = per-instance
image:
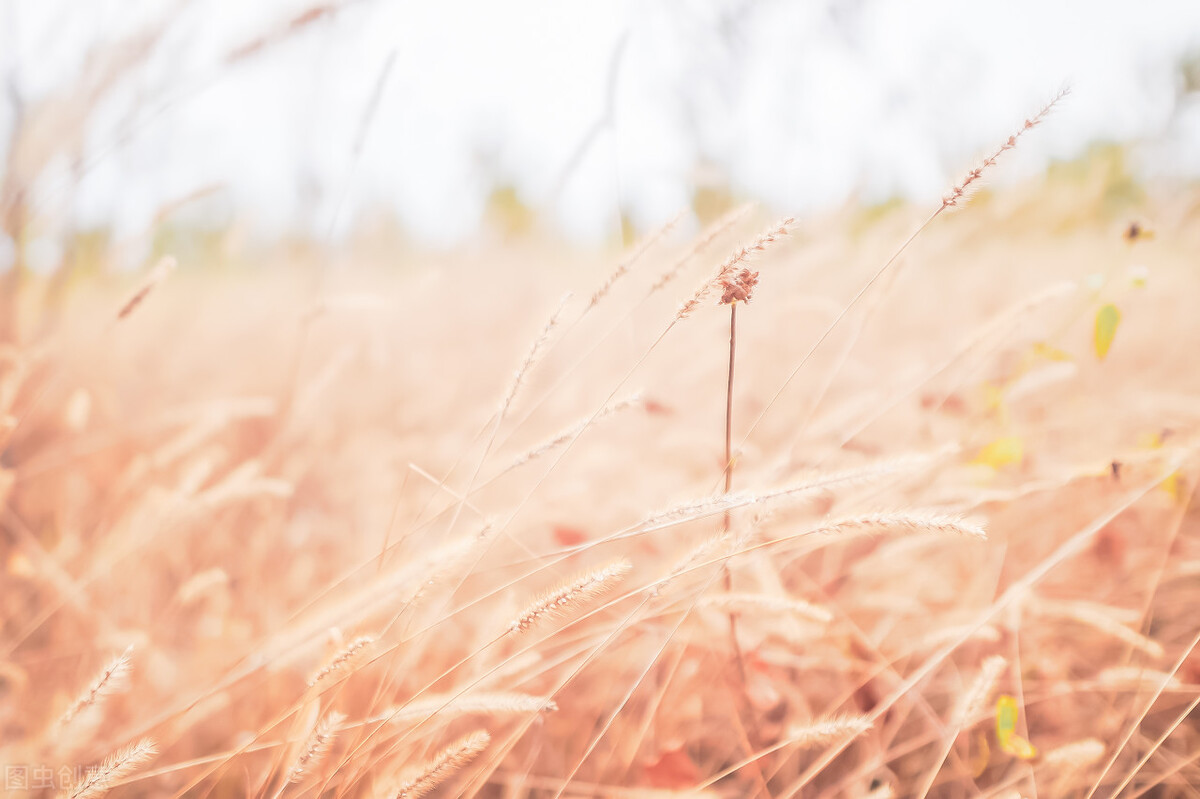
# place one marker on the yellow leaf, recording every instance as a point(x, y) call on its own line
point(1007, 714)
point(993, 396)
point(1020, 748)
point(1004, 451)
point(1176, 486)
point(1107, 319)
point(1050, 352)
point(1152, 440)
point(993, 401)
point(1006, 719)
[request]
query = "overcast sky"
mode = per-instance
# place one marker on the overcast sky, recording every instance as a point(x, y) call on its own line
point(797, 104)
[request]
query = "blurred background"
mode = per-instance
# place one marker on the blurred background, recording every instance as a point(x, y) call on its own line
point(375, 206)
point(120, 120)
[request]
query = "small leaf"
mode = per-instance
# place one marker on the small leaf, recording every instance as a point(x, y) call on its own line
point(1151, 440)
point(1006, 719)
point(993, 398)
point(1007, 714)
point(1050, 352)
point(657, 408)
point(1019, 748)
point(1107, 319)
point(673, 769)
point(1004, 451)
point(1176, 486)
point(568, 536)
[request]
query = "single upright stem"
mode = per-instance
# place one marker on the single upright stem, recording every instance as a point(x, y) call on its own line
point(727, 520)
point(729, 406)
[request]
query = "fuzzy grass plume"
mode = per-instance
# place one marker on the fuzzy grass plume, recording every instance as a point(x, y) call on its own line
point(99, 780)
point(424, 780)
point(570, 595)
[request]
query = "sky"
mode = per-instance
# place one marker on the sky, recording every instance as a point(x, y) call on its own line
point(587, 110)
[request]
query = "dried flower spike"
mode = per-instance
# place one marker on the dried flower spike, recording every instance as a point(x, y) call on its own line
point(343, 659)
point(738, 288)
point(961, 190)
point(97, 781)
point(316, 747)
point(424, 780)
point(590, 585)
point(822, 732)
point(164, 267)
point(113, 679)
point(734, 262)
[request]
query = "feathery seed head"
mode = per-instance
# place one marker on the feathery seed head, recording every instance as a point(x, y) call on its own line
point(556, 602)
point(424, 780)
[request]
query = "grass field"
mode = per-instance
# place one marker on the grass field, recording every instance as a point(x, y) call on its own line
point(416, 525)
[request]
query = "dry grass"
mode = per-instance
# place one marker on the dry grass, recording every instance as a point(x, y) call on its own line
point(316, 536)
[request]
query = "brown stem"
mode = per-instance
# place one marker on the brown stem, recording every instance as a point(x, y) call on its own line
point(729, 406)
point(727, 521)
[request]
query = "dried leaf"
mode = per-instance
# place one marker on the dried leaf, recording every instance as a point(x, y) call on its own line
point(673, 769)
point(981, 753)
point(568, 536)
point(658, 409)
point(1136, 232)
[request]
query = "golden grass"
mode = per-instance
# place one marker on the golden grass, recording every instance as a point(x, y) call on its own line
point(316, 536)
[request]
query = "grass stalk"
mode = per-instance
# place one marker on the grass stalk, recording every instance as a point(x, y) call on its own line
point(726, 518)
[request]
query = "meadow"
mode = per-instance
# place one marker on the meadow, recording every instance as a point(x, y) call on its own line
point(507, 521)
